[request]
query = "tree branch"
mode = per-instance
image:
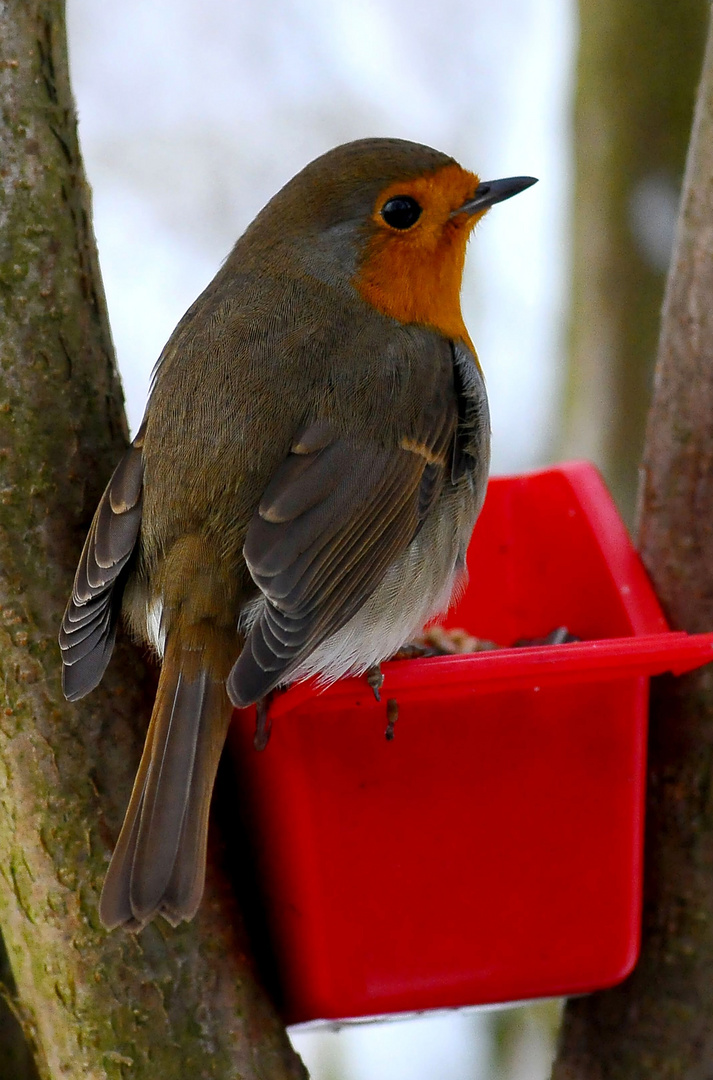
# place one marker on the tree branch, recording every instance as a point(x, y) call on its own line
point(163, 1003)
point(657, 1024)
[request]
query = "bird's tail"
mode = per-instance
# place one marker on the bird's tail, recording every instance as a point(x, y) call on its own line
point(158, 865)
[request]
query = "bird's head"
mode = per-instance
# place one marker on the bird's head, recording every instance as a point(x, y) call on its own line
point(387, 217)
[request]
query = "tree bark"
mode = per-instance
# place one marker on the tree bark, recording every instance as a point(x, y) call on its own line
point(165, 1003)
point(658, 1023)
point(636, 77)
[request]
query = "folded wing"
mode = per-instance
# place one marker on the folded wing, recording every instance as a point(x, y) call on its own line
point(336, 514)
point(89, 624)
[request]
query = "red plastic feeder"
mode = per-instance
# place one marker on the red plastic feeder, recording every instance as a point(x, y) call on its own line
point(493, 850)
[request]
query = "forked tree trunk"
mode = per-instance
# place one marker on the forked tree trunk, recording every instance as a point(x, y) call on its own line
point(659, 1023)
point(165, 1003)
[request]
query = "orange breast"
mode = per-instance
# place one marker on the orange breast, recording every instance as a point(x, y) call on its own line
point(415, 275)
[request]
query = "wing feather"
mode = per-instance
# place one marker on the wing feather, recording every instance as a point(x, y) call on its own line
point(331, 522)
point(86, 638)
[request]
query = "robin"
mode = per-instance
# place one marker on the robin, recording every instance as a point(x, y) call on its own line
point(300, 495)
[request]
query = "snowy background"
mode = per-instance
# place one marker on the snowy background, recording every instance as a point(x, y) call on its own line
point(193, 115)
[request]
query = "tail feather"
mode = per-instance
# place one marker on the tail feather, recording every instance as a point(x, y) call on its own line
point(185, 889)
point(115, 901)
point(158, 866)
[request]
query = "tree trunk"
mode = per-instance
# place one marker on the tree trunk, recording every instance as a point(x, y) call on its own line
point(165, 1003)
point(636, 77)
point(658, 1023)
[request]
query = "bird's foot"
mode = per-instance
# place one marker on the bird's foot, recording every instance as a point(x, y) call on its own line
point(375, 679)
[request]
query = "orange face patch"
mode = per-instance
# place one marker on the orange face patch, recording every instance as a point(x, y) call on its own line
point(415, 274)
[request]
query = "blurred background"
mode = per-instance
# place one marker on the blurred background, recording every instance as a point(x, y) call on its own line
point(193, 115)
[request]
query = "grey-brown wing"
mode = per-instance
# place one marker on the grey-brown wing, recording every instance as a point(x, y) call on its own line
point(334, 517)
point(86, 638)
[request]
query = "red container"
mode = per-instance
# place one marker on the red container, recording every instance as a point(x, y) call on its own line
point(492, 851)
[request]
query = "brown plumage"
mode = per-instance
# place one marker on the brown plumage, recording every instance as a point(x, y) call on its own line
point(301, 492)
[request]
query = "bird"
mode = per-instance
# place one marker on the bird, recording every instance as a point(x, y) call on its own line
point(300, 494)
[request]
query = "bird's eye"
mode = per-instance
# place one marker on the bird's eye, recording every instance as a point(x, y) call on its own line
point(401, 212)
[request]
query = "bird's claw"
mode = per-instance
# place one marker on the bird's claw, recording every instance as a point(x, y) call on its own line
point(375, 679)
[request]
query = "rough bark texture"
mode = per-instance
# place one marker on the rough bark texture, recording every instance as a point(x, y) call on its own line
point(637, 71)
point(164, 1003)
point(658, 1023)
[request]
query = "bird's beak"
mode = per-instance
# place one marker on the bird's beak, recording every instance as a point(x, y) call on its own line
point(494, 191)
